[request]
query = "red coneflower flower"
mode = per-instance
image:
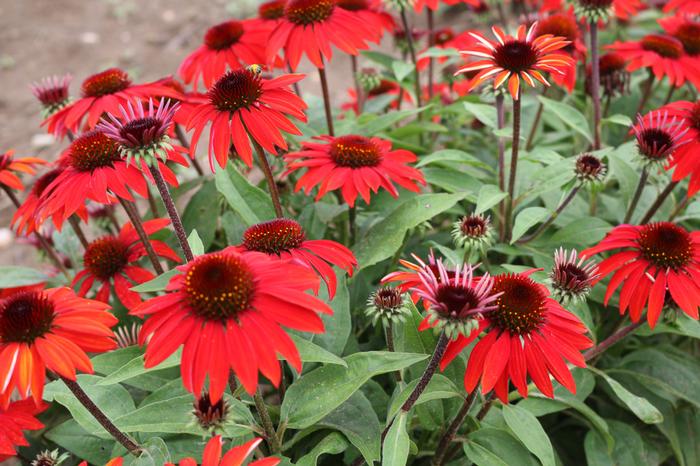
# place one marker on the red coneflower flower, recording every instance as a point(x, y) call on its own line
point(25, 218)
point(517, 58)
point(14, 419)
point(528, 333)
point(572, 278)
point(103, 93)
point(51, 329)
point(271, 11)
point(143, 134)
point(371, 13)
point(690, 7)
point(385, 87)
point(52, 92)
point(234, 457)
point(113, 262)
point(565, 25)
point(409, 279)
point(311, 26)
point(658, 136)
point(418, 5)
point(614, 78)
point(456, 300)
point(657, 257)
point(232, 44)
point(285, 238)
point(241, 104)
point(685, 158)
point(95, 170)
point(685, 30)
point(663, 55)
point(446, 38)
point(235, 304)
point(355, 165)
point(10, 167)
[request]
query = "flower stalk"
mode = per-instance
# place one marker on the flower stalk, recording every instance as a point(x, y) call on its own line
point(449, 435)
point(659, 201)
point(102, 418)
point(595, 88)
point(270, 433)
point(172, 211)
point(552, 217)
point(637, 194)
point(326, 100)
point(135, 219)
point(510, 203)
point(269, 177)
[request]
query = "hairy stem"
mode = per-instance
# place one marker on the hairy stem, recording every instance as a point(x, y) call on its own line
point(449, 435)
point(389, 334)
point(552, 217)
point(269, 177)
point(135, 219)
point(270, 433)
point(637, 194)
point(102, 418)
point(439, 351)
point(659, 202)
point(431, 43)
point(510, 204)
point(611, 340)
point(595, 87)
point(412, 53)
point(501, 122)
point(172, 212)
point(326, 101)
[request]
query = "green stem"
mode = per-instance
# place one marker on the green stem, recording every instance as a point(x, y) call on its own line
point(637, 194)
point(510, 204)
point(270, 433)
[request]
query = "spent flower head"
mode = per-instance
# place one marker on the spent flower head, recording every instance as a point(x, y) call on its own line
point(589, 169)
point(50, 458)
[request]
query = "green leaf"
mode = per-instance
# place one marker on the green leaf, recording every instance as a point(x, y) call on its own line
point(320, 391)
point(332, 444)
point(529, 430)
point(583, 231)
point(569, 115)
point(641, 407)
point(195, 243)
point(484, 113)
point(174, 415)
point(356, 419)
point(438, 52)
point(135, 367)
point(311, 352)
point(497, 447)
point(386, 236)
point(622, 120)
point(155, 453)
point(157, 284)
point(629, 448)
point(202, 213)
point(401, 69)
point(70, 436)
point(250, 202)
point(114, 401)
point(396, 444)
point(382, 122)
point(451, 155)
point(526, 219)
point(379, 58)
point(12, 276)
point(439, 388)
point(339, 325)
point(489, 196)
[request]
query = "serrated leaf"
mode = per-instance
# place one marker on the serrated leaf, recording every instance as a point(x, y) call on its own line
point(526, 219)
point(320, 391)
point(529, 430)
point(569, 115)
point(396, 444)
